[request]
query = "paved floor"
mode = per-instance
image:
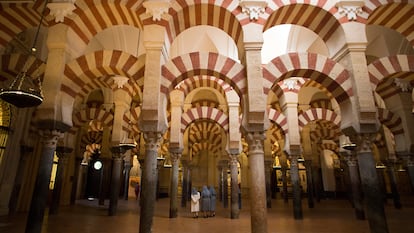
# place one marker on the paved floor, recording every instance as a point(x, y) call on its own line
point(328, 216)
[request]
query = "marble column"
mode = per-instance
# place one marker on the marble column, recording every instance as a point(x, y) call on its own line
point(356, 194)
point(381, 182)
point(224, 184)
point(393, 184)
point(317, 180)
point(38, 204)
point(184, 190)
point(284, 167)
point(127, 170)
point(57, 190)
point(309, 183)
point(220, 181)
point(149, 181)
point(268, 172)
point(258, 208)
point(294, 176)
point(175, 159)
point(117, 158)
point(374, 204)
point(409, 165)
point(26, 152)
point(74, 192)
point(160, 164)
point(273, 183)
point(234, 213)
point(103, 184)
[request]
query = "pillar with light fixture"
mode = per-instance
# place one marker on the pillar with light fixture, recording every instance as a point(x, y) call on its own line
point(63, 154)
point(309, 182)
point(390, 169)
point(234, 213)
point(296, 189)
point(184, 190)
point(175, 155)
point(257, 182)
point(268, 172)
point(149, 181)
point(374, 203)
point(354, 179)
point(41, 189)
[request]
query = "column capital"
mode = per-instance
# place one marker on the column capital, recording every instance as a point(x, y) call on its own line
point(61, 9)
point(156, 8)
point(233, 159)
point(117, 152)
point(253, 8)
point(175, 154)
point(152, 140)
point(255, 140)
point(350, 8)
point(307, 163)
point(50, 137)
point(293, 160)
point(120, 81)
point(364, 141)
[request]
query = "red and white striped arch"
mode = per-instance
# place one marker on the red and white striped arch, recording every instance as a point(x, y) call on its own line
point(194, 64)
point(387, 66)
point(204, 113)
point(217, 13)
point(194, 82)
point(92, 17)
point(210, 147)
point(104, 117)
point(16, 18)
point(329, 146)
point(396, 15)
point(81, 74)
point(11, 64)
point(391, 120)
point(323, 70)
point(315, 114)
point(280, 119)
point(321, 17)
point(326, 132)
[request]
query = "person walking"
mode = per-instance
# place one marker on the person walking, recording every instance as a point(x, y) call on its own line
point(212, 201)
point(195, 202)
point(205, 201)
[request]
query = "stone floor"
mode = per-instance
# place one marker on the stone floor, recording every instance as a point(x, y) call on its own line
point(328, 216)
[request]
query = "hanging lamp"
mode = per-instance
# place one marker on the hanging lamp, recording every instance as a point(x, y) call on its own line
point(23, 92)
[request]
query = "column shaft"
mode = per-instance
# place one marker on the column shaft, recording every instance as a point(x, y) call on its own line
point(370, 186)
point(356, 193)
point(127, 169)
point(149, 181)
point(224, 187)
point(393, 183)
point(115, 184)
point(174, 185)
point(268, 173)
point(234, 188)
point(309, 183)
point(41, 189)
point(258, 208)
point(185, 183)
point(297, 199)
point(57, 189)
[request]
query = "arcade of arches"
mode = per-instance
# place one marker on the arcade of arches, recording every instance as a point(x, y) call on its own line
point(302, 99)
